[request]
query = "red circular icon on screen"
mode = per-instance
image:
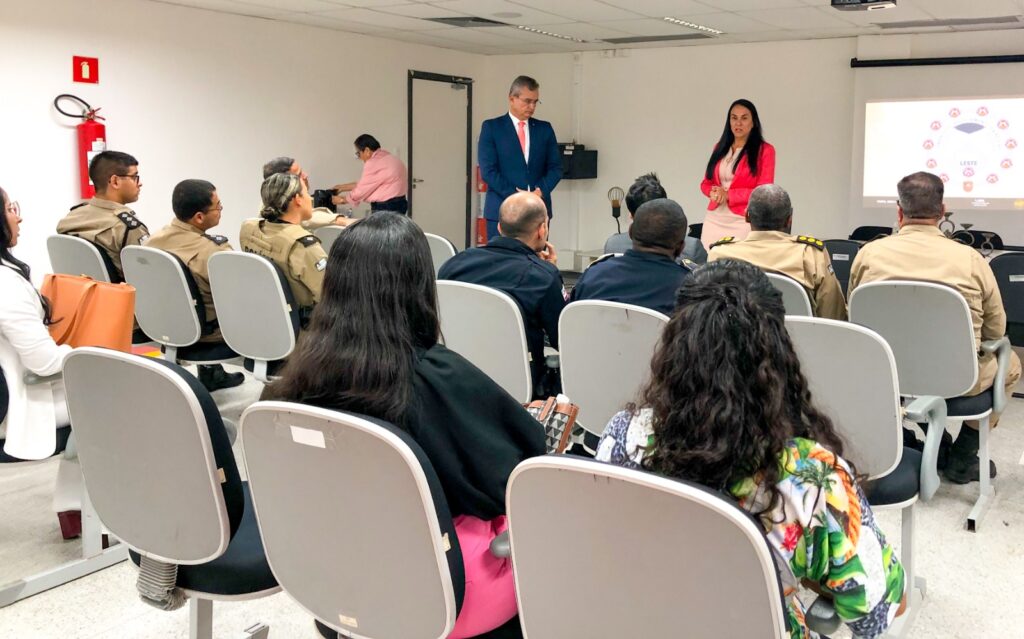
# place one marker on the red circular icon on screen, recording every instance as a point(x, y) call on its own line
point(1003, 124)
point(936, 125)
point(1007, 163)
point(954, 112)
point(968, 172)
point(944, 177)
point(928, 144)
point(993, 178)
point(982, 111)
point(931, 163)
point(968, 186)
point(1011, 144)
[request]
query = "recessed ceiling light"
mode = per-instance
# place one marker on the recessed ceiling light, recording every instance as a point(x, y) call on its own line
point(549, 34)
point(692, 25)
point(507, 14)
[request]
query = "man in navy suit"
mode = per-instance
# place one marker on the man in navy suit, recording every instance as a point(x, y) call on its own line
point(517, 152)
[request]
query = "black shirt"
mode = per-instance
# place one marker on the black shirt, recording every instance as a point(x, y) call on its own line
point(644, 279)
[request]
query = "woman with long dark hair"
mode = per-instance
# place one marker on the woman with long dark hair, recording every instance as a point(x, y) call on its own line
point(34, 412)
point(740, 162)
point(739, 419)
point(372, 348)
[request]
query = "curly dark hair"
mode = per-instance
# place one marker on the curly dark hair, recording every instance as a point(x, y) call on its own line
point(726, 388)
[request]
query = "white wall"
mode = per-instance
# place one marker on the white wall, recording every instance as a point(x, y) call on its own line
point(193, 93)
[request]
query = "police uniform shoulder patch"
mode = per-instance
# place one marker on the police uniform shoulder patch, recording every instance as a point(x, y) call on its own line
point(811, 241)
point(129, 220)
point(217, 239)
point(603, 258)
point(729, 239)
point(78, 206)
point(688, 263)
point(308, 240)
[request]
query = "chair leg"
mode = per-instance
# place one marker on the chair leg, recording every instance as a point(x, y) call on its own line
point(916, 587)
point(987, 491)
point(171, 354)
point(200, 618)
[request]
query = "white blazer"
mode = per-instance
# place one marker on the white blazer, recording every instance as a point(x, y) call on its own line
point(26, 345)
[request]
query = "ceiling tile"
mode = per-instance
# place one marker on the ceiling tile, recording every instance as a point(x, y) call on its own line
point(229, 6)
point(751, 5)
point(582, 10)
point(662, 8)
point(975, 9)
point(371, 4)
point(382, 20)
point(501, 11)
point(727, 22)
point(902, 12)
point(584, 30)
point(422, 10)
point(326, 22)
point(799, 18)
point(284, 6)
point(645, 27)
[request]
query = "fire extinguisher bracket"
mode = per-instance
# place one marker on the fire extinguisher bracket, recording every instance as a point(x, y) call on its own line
point(92, 138)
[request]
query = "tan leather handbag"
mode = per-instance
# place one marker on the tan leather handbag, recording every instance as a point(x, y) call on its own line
point(90, 313)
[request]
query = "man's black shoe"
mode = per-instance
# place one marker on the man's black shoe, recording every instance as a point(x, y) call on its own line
point(215, 378)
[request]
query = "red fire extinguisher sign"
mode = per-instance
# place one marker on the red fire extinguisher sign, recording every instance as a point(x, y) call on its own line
point(85, 70)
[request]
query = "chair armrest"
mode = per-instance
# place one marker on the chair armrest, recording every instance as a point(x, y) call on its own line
point(500, 546)
point(821, 617)
point(31, 379)
point(930, 409)
point(1001, 347)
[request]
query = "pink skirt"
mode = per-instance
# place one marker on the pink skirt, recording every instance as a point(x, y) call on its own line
point(490, 599)
point(722, 223)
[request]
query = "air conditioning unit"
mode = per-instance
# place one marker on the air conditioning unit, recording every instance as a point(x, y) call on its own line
point(863, 5)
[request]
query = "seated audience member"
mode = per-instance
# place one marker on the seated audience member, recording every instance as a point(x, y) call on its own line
point(920, 251)
point(648, 187)
point(372, 348)
point(33, 412)
point(770, 246)
point(647, 274)
point(384, 182)
point(321, 216)
point(106, 220)
point(197, 209)
point(522, 263)
point(727, 407)
point(280, 237)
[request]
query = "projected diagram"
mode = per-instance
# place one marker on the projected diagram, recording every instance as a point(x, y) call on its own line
point(969, 148)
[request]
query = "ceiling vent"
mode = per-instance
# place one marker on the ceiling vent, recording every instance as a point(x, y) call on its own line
point(468, 21)
point(661, 38)
point(951, 22)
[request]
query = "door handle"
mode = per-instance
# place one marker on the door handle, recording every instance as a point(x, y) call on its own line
point(416, 180)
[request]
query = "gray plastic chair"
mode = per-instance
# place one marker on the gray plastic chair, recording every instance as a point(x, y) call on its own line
point(354, 520)
point(485, 326)
point(862, 397)
point(258, 316)
point(165, 482)
point(633, 554)
point(842, 253)
point(937, 355)
point(328, 234)
point(794, 296)
point(606, 350)
point(74, 256)
point(168, 306)
point(441, 250)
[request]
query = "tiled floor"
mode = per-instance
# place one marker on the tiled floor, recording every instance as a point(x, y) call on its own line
point(974, 580)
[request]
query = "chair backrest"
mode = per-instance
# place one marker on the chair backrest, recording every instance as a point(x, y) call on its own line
point(842, 253)
point(647, 556)
point(851, 372)
point(441, 250)
point(696, 230)
point(328, 234)
point(868, 233)
point(1009, 272)
point(794, 296)
point(928, 326)
point(163, 480)
point(74, 256)
point(976, 238)
point(485, 326)
point(257, 313)
point(605, 350)
point(167, 302)
point(353, 520)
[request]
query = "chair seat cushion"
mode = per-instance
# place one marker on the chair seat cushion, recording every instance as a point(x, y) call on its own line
point(62, 442)
point(973, 405)
point(241, 570)
point(205, 352)
point(903, 483)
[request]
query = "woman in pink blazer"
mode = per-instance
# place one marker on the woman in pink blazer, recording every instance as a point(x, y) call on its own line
point(741, 161)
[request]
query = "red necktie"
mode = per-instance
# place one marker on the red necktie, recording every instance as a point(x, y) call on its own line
point(522, 135)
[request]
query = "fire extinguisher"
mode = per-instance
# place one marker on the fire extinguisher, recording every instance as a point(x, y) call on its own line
point(92, 138)
point(481, 223)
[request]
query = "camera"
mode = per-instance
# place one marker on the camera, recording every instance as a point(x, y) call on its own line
point(322, 199)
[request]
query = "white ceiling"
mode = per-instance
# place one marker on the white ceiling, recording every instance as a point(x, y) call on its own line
point(595, 21)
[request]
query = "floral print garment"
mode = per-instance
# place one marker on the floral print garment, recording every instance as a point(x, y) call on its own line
point(822, 530)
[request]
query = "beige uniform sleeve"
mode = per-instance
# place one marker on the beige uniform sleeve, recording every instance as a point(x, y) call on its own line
point(993, 314)
point(828, 294)
point(307, 264)
point(857, 270)
point(321, 218)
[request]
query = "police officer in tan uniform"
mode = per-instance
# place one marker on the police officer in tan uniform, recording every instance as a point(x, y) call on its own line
point(771, 247)
point(197, 209)
point(321, 216)
point(920, 251)
point(106, 220)
point(279, 235)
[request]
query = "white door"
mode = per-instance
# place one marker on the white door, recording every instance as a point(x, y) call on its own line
point(439, 128)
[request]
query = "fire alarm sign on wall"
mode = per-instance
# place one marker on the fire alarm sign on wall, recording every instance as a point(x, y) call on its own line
point(85, 69)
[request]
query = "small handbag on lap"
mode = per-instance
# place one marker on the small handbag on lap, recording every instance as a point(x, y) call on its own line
point(90, 313)
point(558, 416)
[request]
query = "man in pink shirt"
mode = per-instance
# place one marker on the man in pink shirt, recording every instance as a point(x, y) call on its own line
point(385, 180)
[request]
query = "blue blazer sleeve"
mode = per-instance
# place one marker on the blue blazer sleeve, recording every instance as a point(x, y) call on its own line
point(490, 166)
point(552, 164)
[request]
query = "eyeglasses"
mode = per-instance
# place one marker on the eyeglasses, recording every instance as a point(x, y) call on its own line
point(14, 208)
point(528, 101)
point(135, 177)
point(218, 209)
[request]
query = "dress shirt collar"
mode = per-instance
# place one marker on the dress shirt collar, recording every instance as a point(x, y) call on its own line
point(510, 244)
point(516, 121)
point(106, 204)
point(185, 226)
point(923, 229)
point(652, 257)
point(766, 235)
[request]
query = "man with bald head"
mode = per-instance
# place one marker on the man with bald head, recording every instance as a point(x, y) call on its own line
point(521, 262)
point(647, 274)
point(771, 247)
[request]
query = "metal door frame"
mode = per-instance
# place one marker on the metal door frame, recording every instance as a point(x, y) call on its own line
point(468, 83)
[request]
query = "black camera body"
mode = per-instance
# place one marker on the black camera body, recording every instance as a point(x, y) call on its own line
point(322, 199)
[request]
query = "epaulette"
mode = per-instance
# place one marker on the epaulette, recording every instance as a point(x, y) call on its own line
point(216, 239)
point(811, 241)
point(129, 219)
point(725, 240)
point(78, 206)
point(688, 263)
point(603, 258)
point(308, 240)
